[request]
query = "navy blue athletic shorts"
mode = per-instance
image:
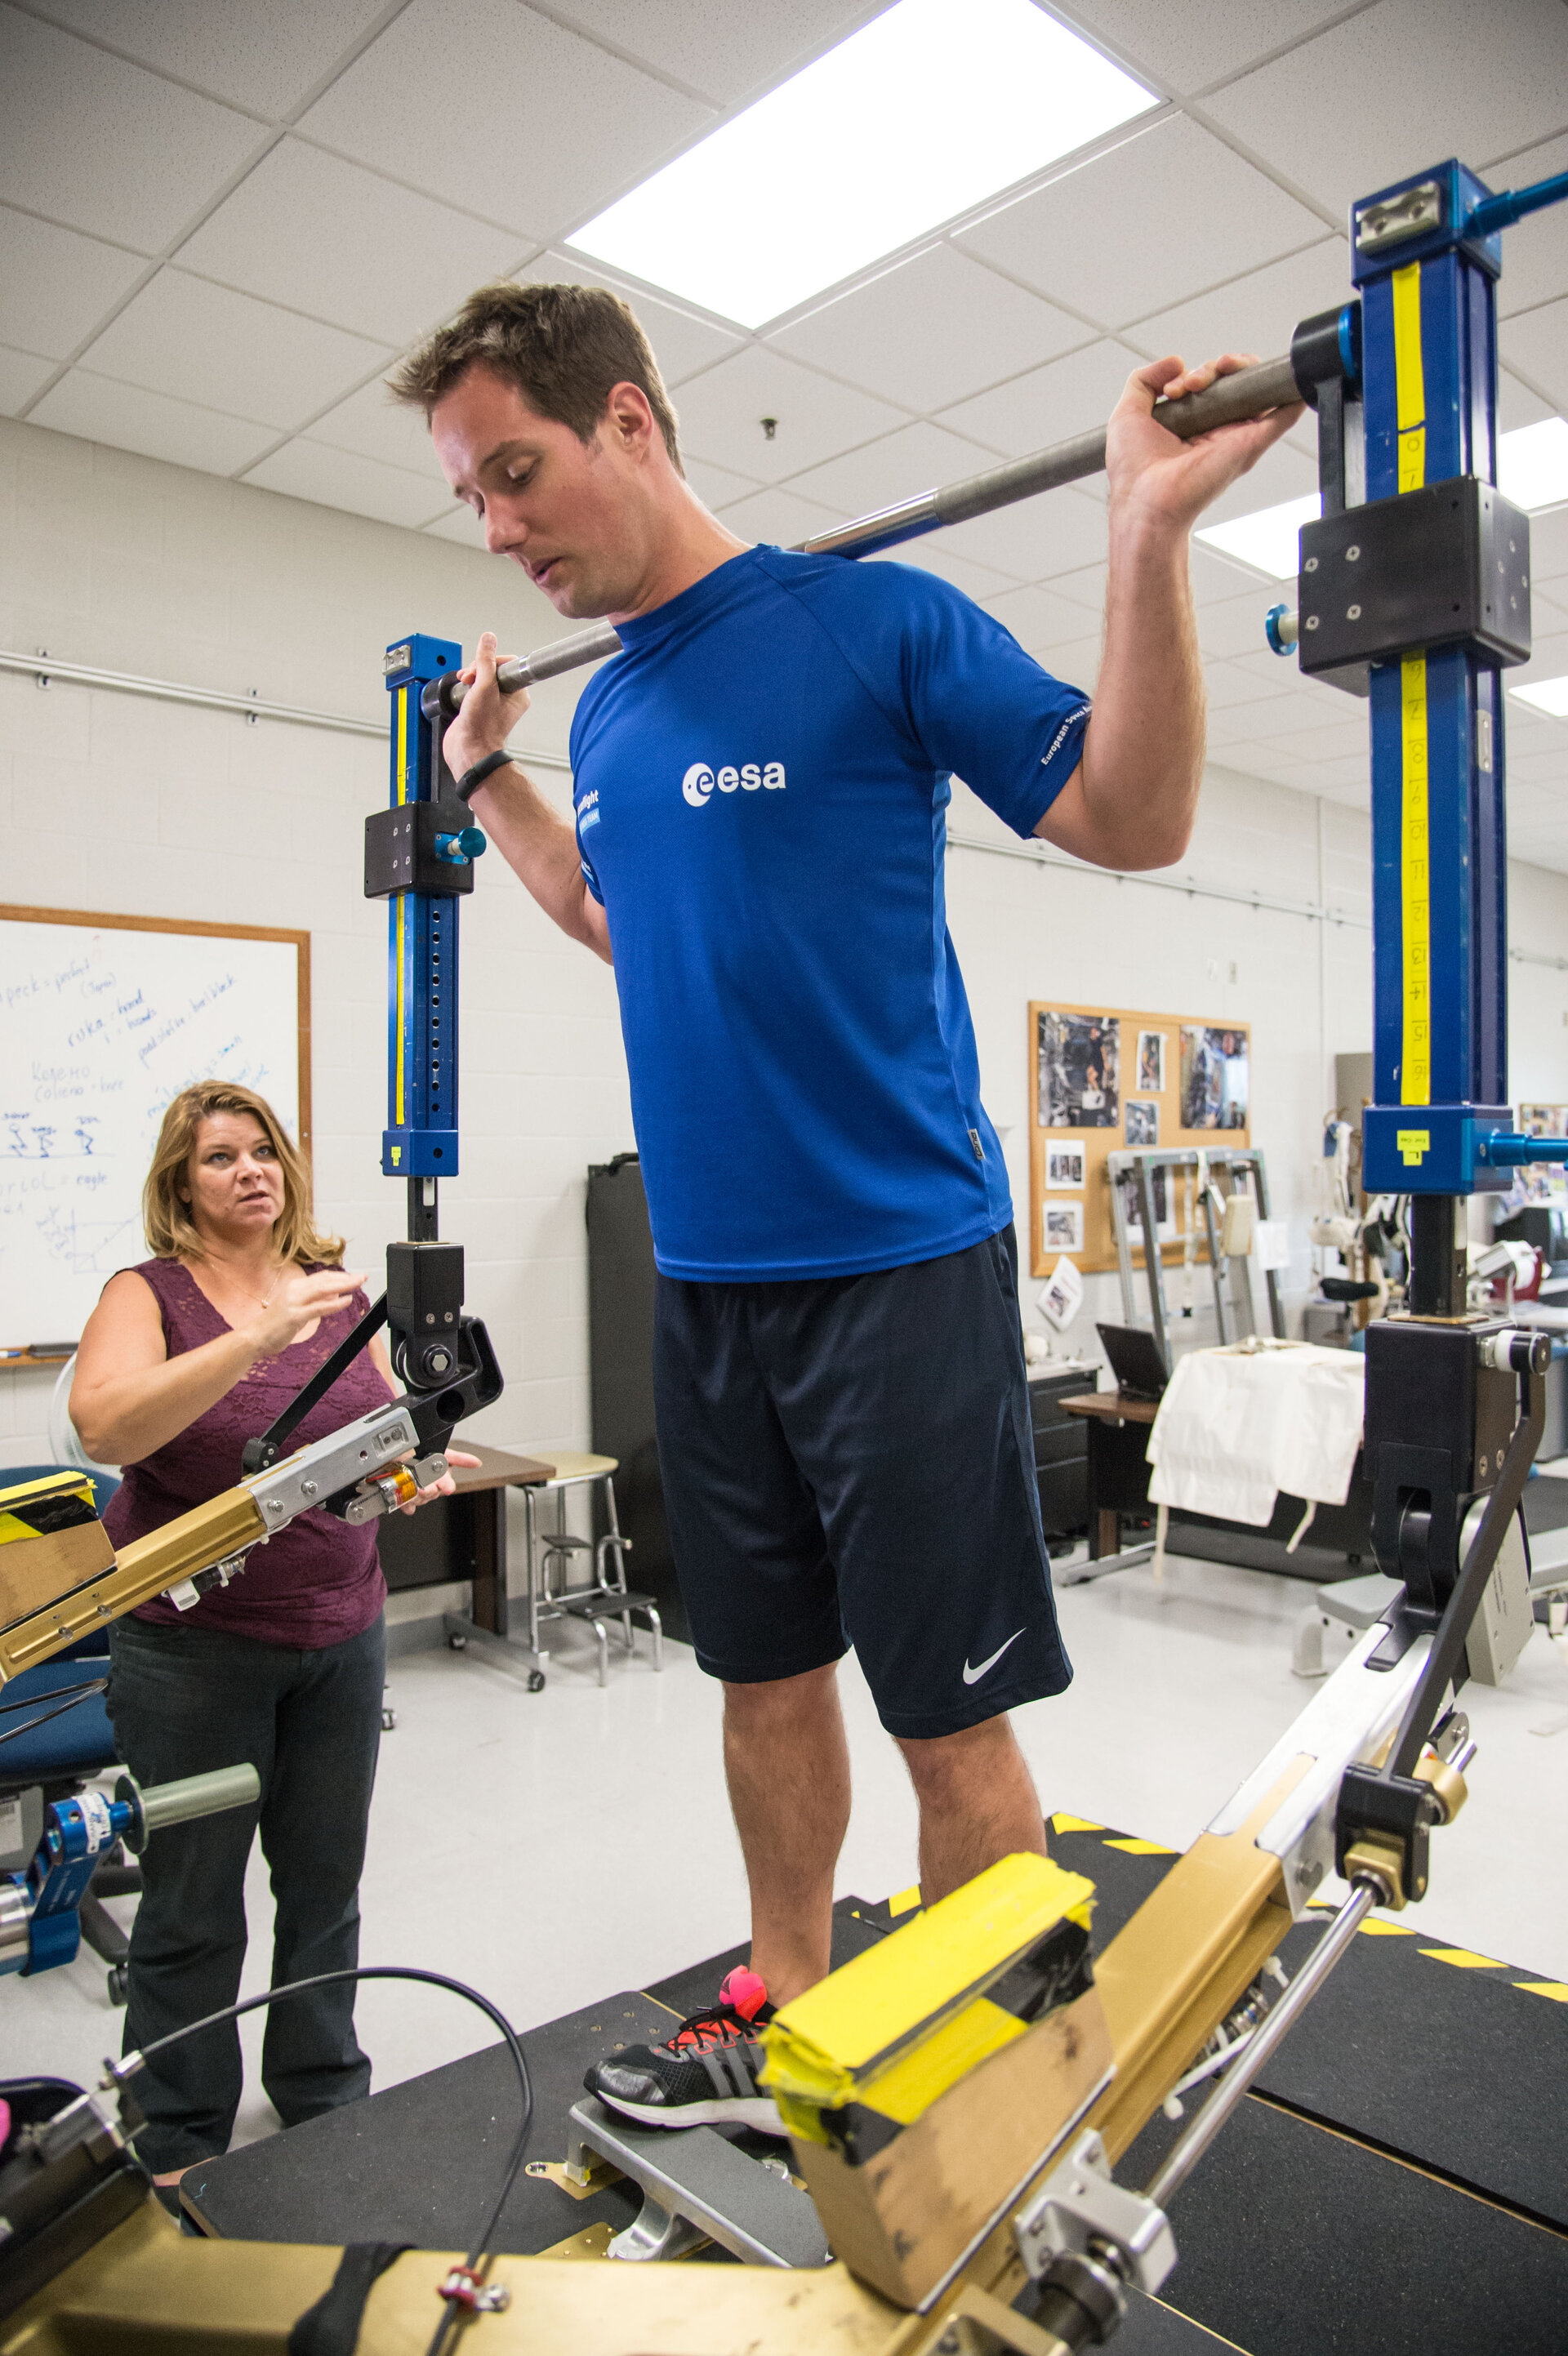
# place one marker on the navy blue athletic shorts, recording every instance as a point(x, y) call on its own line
point(848, 1460)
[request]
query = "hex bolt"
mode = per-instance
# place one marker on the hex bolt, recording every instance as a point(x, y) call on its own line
point(1351, 554)
point(1352, 612)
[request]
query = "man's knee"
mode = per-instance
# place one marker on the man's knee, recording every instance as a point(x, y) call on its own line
point(951, 1766)
point(780, 1701)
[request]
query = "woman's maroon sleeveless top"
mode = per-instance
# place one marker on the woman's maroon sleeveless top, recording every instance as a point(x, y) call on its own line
point(317, 1582)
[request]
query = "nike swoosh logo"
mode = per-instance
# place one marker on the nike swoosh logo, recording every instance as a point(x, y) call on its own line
point(973, 1677)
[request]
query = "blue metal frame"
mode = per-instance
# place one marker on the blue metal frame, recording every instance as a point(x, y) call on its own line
point(420, 1140)
point(1439, 833)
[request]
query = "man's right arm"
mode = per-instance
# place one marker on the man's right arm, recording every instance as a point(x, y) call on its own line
point(533, 838)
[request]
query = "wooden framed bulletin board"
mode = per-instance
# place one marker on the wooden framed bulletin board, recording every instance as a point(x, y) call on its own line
point(1106, 1080)
point(103, 1021)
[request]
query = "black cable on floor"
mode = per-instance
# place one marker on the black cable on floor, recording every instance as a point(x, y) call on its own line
point(429, 1979)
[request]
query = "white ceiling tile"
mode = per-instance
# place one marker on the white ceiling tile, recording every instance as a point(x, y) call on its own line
point(1401, 86)
point(778, 515)
point(716, 486)
point(128, 418)
point(1077, 662)
point(1537, 342)
point(1084, 584)
point(1517, 405)
point(21, 374)
point(101, 144)
point(579, 125)
point(1535, 251)
point(1549, 544)
point(1227, 684)
point(682, 345)
point(721, 414)
point(183, 337)
point(934, 555)
point(265, 55)
point(1051, 403)
point(336, 478)
point(462, 525)
point(1037, 617)
point(1280, 473)
point(1190, 47)
point(1230, 629)
point(726, 51)
point(1056, 532)
point(372, 425)
point(393, 265)
point(915, 458)
point(932, 331)
point(1169, 213)
point(1258, 313)
point(55, 285)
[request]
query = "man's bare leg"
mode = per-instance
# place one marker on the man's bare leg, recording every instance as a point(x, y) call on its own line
point(787, 1763)
point(977, 1802)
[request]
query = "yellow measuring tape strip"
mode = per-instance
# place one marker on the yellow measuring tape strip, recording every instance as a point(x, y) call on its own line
point(402, 797)
point(1409, 377)
point(1415, 858)
point(1415, 887)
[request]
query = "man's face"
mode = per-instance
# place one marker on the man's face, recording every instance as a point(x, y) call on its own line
point(568, 511)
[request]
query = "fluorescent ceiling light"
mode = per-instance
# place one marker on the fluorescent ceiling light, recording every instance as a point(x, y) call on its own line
point(929, 109)
point(1532, 471)
point(1547, 695)
point(1532, 465)
point(1265, 542)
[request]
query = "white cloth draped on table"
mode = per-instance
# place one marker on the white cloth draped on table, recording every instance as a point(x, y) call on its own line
point(1237, 1425)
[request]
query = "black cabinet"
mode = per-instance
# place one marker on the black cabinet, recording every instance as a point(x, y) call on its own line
point(1061, 1451)
point(620, 1375)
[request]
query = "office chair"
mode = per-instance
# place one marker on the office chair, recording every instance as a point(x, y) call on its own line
point(64, 1754)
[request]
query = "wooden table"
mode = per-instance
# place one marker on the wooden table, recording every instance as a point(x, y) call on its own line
point(462, 1537)
point(1118, 1462)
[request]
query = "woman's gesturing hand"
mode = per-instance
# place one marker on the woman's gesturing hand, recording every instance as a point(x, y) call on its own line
point(299, 1300)
point(444, 1486)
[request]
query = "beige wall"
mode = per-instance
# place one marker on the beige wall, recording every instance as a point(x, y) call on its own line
point(108, 803)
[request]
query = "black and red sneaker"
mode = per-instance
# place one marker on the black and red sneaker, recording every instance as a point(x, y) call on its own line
point(705, 2076)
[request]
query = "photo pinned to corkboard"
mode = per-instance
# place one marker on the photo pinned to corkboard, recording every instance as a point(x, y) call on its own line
point(1104, 1080)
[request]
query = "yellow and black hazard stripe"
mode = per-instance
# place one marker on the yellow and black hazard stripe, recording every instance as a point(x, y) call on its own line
point(38, 1509)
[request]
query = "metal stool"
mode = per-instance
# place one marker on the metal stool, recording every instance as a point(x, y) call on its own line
point(607, 1597)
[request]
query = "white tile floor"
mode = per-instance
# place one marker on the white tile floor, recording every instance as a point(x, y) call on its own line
point(553, 1848)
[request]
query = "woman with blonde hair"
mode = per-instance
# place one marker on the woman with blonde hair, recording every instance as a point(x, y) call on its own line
point(185, 1358)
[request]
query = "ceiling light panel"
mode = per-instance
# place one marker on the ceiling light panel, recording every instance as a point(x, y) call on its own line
point(1547, 695)
point(1268, 541)
point(1532, 465)
point(1532, 471)
point(923, 114)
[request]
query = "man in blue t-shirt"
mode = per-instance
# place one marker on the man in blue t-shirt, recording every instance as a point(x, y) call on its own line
point(760, 779)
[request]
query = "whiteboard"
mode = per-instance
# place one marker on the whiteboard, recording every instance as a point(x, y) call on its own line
point(103, 1021)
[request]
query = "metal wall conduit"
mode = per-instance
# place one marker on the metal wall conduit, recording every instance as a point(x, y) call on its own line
point(45, 669)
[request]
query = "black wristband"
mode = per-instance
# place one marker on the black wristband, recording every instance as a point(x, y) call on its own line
point(471, 779)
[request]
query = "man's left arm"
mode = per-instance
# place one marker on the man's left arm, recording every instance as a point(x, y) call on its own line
point(1133, 798)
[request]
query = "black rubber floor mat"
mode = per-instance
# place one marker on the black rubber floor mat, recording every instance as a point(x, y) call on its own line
point(1297, 2241)
point(1440, 2056)
point(422, 2162)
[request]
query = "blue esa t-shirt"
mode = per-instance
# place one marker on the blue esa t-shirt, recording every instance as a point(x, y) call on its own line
point(761, 781)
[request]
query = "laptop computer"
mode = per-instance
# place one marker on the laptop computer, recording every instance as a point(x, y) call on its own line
point(1136, 1360)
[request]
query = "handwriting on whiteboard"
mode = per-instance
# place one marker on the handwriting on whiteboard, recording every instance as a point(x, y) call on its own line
point(98, 1029)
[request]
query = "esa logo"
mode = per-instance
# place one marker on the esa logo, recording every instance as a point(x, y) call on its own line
point(700, 782)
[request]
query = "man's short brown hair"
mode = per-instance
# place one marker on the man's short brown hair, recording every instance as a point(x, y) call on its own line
point(565, 349)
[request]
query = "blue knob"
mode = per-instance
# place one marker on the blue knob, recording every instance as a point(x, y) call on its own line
point(1278, 628)
point(460, 848)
